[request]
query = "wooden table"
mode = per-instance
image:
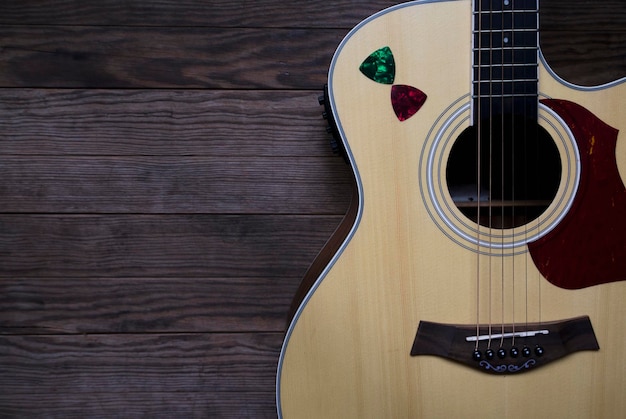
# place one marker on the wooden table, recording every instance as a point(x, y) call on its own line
point(165, 181)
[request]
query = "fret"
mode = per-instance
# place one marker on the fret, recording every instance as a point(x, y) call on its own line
point(501, 57)
point(505, 81)
point(498, 88)
point(510, 22)
point(508, 48)
point(497, 105)
point(497, 30)
point(490, 12)
point(488, 6)
point(508, 15)
point(510, 18)
point(513, 48)
point(518, 69)
point(505, 39)
point(507, 65)
point(503, 74)
point(494, 97)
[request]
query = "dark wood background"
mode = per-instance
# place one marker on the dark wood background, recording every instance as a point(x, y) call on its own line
point(165, 181)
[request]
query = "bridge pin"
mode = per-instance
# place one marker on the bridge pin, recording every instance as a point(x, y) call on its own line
point(514, 352)
point(477, 355)
point(526, 351)
point(501, 353)
point(489, 354)
point(539, 350)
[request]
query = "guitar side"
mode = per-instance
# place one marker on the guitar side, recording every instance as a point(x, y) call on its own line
point(347, 350)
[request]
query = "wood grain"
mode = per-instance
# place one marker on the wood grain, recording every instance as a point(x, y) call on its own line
point(103, 184)
point(122, 122)
point(120, 404)
point(146, 57)
point(216, 13)
point(175, 369)
point(578, 15)
point(582, 16)
point(586, 59)
point(193, 246)
point(69, 305)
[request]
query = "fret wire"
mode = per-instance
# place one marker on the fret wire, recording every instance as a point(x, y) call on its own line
point(514, 48)
point(520, 11)
point(531, 65)
point(507, 81)
point(481, 31)
point(509, 95)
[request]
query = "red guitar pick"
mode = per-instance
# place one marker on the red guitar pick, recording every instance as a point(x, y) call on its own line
point(406, 100)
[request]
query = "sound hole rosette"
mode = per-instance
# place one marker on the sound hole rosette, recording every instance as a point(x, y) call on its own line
point(442, 209)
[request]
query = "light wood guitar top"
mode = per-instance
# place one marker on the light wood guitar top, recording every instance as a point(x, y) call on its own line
point(411, 256)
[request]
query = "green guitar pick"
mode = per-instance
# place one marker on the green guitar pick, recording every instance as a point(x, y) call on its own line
point(380, 66)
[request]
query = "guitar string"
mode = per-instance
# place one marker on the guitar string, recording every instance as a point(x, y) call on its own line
point(534, 132)
point(537, 128)
point(478, 39)
point(536, 166)
point(490, 179)
point(526, 224)
point(513, 179)
point(502, 169)
point(484, 30)
point(490, 31)
point(526, 187)
point(490, 200)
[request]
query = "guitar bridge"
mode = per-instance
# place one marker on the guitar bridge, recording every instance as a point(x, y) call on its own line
point(505, 349)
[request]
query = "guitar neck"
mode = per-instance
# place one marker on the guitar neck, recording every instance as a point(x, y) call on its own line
point(505, 58)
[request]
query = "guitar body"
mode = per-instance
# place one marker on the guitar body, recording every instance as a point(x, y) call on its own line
point(347, 353)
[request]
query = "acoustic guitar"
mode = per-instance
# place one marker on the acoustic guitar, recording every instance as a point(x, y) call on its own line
point(483, 273)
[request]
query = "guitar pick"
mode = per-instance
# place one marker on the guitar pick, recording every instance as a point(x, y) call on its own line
point(380, 66)
point(406, 100)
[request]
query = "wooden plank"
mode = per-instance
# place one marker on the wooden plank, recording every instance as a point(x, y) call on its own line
point(162, 123)
point(190, 246)
point(587, 59)
point(71, 371)
point(181, 184)
point(556, 14)
point(144, 57)
point(144, 305)
point(214, 13)
point(583, 15)
point(120, 404)
point(224, 362)
point(148, 57)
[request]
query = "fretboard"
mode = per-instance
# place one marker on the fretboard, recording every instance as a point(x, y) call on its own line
point(505, 54)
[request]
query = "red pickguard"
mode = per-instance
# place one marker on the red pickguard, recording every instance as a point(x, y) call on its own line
point(589, 246)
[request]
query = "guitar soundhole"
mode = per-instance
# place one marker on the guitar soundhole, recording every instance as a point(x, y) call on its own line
point(519, 173)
